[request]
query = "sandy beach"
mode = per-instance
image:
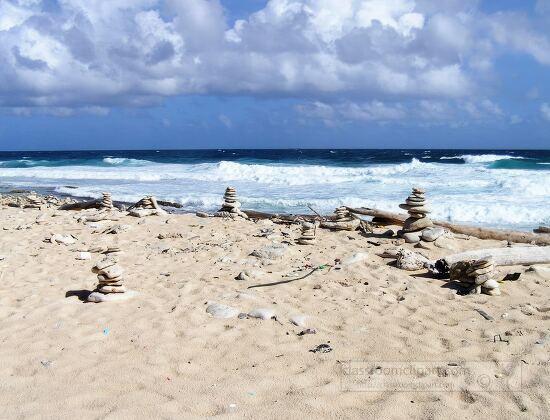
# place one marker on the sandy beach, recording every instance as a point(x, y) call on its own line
point(161, 355)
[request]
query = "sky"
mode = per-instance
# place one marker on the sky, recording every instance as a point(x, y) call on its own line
point(178, 74)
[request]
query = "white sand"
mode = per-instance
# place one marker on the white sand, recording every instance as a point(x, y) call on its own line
point(160, 355)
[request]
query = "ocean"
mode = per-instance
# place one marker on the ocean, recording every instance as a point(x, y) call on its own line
point(505, 189)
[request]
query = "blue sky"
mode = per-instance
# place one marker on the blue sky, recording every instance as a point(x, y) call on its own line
point(91, 74)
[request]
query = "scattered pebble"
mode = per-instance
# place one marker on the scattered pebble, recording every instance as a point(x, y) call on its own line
point(262, 313)
point(218, 310)
point(321, 348)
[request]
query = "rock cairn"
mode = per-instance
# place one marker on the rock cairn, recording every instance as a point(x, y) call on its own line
point(343, 220)
point(34, 201)
point(342, 214)
point(110, 277)
point(415, 204)
point(231, 206)
point(107, 201)
point(476, 275)
point(147, 206)
point(307, 236)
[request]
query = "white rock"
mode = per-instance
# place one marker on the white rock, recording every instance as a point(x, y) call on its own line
point(271, 252)
point(84, 256)
point(111, 297)
point(298, 320)
point(411, 237)
point(410, 261)
point(355, 258)
point(262, 313)
point(218, 310)
point(431, 234)
point(490, 284)
point(61, 239)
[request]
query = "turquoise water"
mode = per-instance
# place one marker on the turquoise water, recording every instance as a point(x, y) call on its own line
point(486, 187)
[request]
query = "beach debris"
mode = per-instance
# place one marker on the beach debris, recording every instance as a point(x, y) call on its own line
point(485, 314)
point(57, 238)
point(476, 276)
point(299, 320)
point(84, 255)
point(343, 220)
point(110, 277)
point(262, 313)
point(307, 234)
point(218, 310)
point(542, 229)
point(322, 348)
point(231, 207)
point(107, 201)
point(524, 255)
point(413, 226)
point(411, 261)
point(116, 229)
point(147, 206)
point(307, 331)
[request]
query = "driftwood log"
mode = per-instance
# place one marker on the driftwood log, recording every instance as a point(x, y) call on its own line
point(83, 205)
point(478, 232)
point(524, 255)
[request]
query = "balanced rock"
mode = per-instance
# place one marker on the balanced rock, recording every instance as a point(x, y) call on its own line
point(343, 220)
point(107, 201)
point(415, 204)
point(231, 206)
point(110, 276)
point(477, 276)
point(147, 206)
point(307, 236)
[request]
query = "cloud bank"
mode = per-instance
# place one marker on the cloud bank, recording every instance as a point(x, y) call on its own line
point(368, 56)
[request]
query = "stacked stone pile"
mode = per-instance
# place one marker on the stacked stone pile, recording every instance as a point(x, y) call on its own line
point(110, 276)
point(34, 201)
point(342, 214)
point(231, 206)
point(107, 201)
point(418, 225)
point(307, 236)
point(477, 276)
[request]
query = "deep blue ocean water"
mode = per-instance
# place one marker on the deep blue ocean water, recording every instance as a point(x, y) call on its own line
point(504, 188)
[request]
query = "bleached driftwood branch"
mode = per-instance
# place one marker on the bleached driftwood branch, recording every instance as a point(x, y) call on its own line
point(478, 232)
point(525, 255)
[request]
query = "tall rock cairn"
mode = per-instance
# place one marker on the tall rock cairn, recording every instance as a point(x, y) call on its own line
point(231, 206)
point(107, 201)
point(415, 204)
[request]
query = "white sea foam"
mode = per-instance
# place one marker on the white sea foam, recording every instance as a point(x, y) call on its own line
point(469, 193)
point(480, 158)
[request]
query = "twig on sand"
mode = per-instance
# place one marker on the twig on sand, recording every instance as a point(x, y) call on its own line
point(311, 208)
point(485, 315)
point(321, 267)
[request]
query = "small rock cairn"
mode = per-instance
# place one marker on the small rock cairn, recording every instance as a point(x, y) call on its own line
point(231, 206)
point(147, 206)
point(110, 275)
point(34, 201)
point(480, 274)
point(307, 234)
point(107, 201)
point(342, 215)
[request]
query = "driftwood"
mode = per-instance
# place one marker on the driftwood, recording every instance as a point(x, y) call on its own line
point(83, 205)
point(281, 218)
point(478, 232)
point(351, 225)
point(525, 255)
